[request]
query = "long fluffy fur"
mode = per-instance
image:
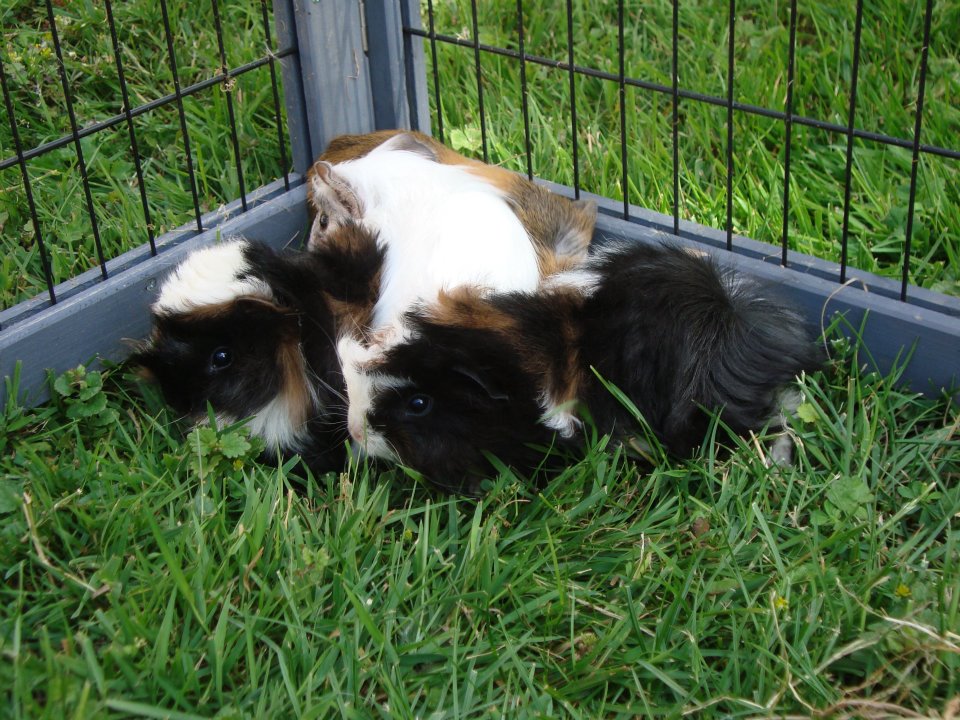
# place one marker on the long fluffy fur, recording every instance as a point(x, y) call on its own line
point(277, 315)
point(440, 227)
point(678, 334)
point(560, 229)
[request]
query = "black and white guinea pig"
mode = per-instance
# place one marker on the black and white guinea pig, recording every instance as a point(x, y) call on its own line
point(252, 332)
point(510, 373)
point(339, 189)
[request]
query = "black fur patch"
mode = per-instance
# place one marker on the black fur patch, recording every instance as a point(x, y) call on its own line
point(254, 331)
point(482, 401)
point(672, 330)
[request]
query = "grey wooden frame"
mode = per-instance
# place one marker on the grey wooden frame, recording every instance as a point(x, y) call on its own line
point(356, 71)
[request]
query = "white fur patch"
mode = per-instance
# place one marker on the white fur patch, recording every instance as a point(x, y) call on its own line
point(362, 387)
point(207, 277)
point(582, 280)
point(272, 423)
point(442, 228)
point(559, 417)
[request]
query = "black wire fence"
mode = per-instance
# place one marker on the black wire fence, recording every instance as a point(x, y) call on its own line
point(513, 48)
point(166, 168)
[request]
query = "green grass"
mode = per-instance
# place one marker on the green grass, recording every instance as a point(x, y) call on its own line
point(887, 89)
point(26, 49)
point(154, 571)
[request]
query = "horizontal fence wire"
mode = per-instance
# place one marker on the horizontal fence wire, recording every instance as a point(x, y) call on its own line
point(684, 94)
point(160, 102)
point(677, 93)
point(225, 77)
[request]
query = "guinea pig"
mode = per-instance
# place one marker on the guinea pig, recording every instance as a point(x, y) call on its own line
point(560, 229)
point(251, 332)
point(440, 226)
point(511, 373)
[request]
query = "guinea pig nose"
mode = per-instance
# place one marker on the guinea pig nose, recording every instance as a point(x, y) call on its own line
point(355, 429)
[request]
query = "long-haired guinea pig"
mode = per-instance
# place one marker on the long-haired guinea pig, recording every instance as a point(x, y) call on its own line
point(474, 374)
point(559, 229)
point(251, 331)
point(440, 228)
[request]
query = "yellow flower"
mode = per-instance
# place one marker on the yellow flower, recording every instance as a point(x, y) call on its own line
point(781, 603)
point(902, 591)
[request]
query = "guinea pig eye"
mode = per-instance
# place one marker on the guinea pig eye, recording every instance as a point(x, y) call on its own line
point(324, 221)
point(220, 359)
point(419, 405)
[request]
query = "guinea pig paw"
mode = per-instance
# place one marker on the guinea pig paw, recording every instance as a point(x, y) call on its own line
point(780, 453)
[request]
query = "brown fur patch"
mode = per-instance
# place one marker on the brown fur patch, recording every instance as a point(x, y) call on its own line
point(561, 230)
point(355, 317)
point(215, 311)
point(295, 386)
point(499, 177)
point(565, 376)
point(562, 376)
point(465, 307)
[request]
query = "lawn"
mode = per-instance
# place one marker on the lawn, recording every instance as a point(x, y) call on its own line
point(151, 570)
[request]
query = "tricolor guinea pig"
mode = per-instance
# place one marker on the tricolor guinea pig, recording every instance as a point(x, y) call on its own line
point(509, 374)
point(457, 219)
point(251, 331)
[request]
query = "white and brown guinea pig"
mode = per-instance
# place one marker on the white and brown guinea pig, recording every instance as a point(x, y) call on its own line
point(512, 373)
point(445, 221)
point(251, 331)
point(560, 229)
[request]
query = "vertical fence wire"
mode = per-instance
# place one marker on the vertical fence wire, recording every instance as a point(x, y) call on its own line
point(523, 90)
point(281, 140)
point(573, 101)
point(75, 131)
point(915, 161)
point(436, 71)
point(625, 177)
point(788, 124)
point(851, 117)
point(228, 85)
point(730, 75)
point(131, 131)
point(476, 65)
point(25, 176)
point(674, 77)
point(172, 59)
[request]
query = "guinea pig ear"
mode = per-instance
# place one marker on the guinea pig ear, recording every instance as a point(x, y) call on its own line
point(485, 384)
point(411, 143)
point(574, 240)
point(331, 190)
point(266, 310)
